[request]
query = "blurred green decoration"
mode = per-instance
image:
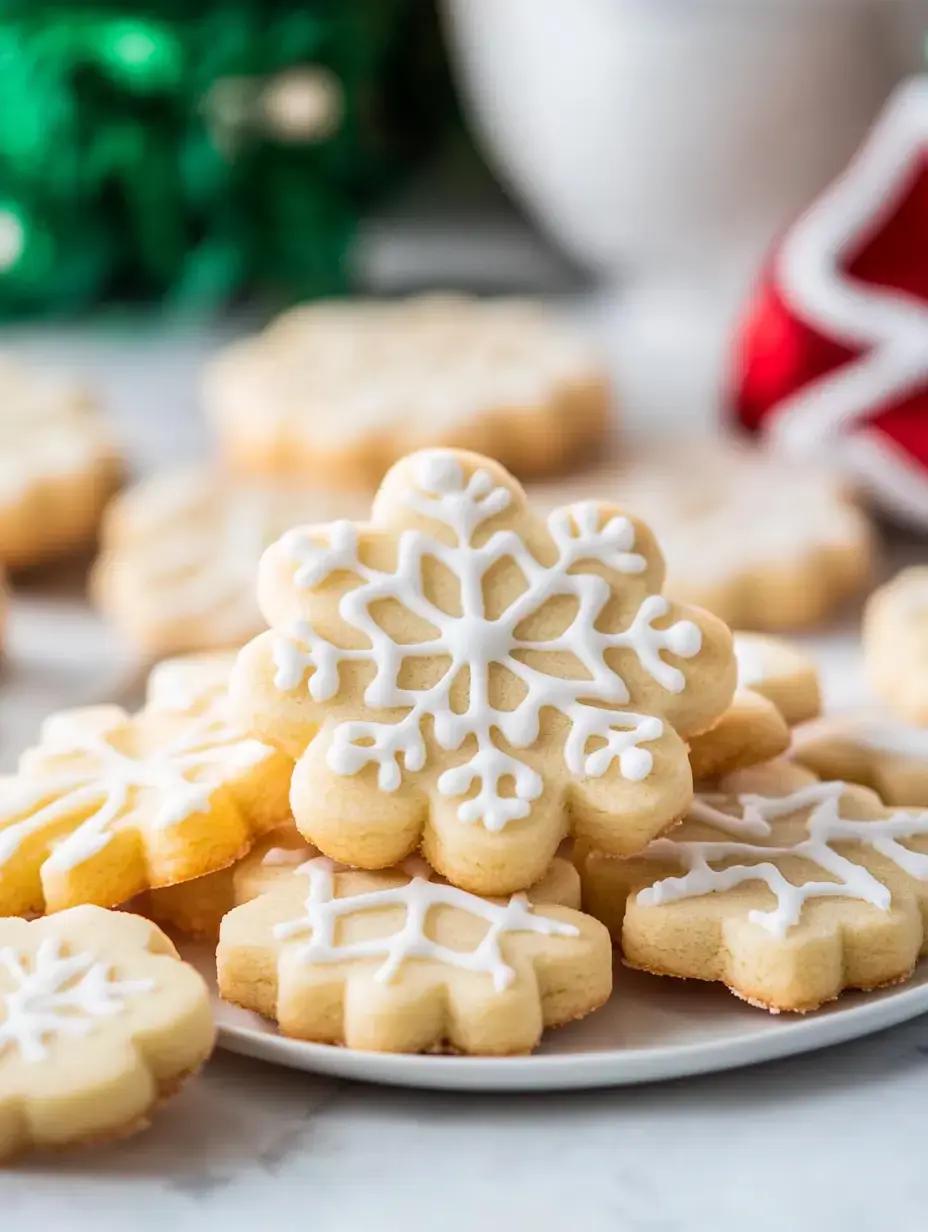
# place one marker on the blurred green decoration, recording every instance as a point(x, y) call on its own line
point(193, 152)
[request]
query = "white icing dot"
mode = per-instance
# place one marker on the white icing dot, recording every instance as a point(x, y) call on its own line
point(438, 472)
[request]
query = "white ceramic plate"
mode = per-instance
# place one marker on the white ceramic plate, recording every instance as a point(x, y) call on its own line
point(652, 1029)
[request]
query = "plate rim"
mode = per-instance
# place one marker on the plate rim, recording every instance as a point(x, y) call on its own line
point(601, 1068)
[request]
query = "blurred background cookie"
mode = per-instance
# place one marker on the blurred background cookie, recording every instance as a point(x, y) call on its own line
point(338, 392)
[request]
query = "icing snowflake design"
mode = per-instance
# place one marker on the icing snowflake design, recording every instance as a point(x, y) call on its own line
point(824, 826)
point(99, 794)
point(58, 995)
point(473, 642)
point(418, 897)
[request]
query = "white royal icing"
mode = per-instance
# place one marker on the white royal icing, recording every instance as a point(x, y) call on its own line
point(824, 826)
point(418, 897)
point(57, 995)
point(472, 642)
point(101, 791)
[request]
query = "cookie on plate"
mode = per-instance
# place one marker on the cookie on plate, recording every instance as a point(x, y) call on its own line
point(180, 552)
point(110, 804)
point(895, 640)
point(762, 543)
point(336, 393)
point(58, 467)
point(99, 1022)
point(461, 675)
point(777, 687)
point(394, 963)
point(873, 749)
point(197, 907)
point(786, 889)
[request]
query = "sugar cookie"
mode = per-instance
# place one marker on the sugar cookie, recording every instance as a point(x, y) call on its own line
point(782, 673)
point(109, 804)
point(197, 907)
point(180, 552)
point(787, 897)
point(58, 467)
point(777, 687)
point(895, 640)
point(391, 963)
point(456, 674)
point(762, 543)
point(752, 730)
point(99, 1021)
point(875, 750)
point(338, 392)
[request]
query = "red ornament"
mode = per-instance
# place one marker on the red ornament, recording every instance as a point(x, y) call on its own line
point(832, 358)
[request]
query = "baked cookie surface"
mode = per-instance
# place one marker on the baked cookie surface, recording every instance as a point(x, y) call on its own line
point(338, 392)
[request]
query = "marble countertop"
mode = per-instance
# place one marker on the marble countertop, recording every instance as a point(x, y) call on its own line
point(832, 1139)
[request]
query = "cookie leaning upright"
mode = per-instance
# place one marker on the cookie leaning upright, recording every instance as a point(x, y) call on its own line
point(109, 804)
point(461, 675)
point(895, 641)
point(58, 467)
point(336, 393)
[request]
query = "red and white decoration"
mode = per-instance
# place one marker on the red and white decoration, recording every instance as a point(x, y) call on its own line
point(832, 359)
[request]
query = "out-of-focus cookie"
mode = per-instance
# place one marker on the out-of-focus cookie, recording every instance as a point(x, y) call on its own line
point(394, 963)
point(778, 687)
point(895, 641)
point(873, 749)
point(461, 675)
point(110, 804)
point(781, 672)
point(338, 392)
point(58, 466)
point(785, 889)
point(99, 1022)
point(762, 543)
point(180, 553)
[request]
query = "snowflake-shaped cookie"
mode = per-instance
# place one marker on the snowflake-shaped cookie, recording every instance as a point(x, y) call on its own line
point(110, 804)
point(870, 748)
point(338, 392)
point(180, 552)
point(57, 466)
point(762, 543)
point(99, 1020)
point(787, 894)
point(462, 675)
point(400, 963)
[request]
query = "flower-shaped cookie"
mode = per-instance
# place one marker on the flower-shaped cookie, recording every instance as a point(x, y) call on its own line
point(783, 888)
point(396, 963)
point(777, 687)
point(461, 675)
point(180, 551)
point(869, 748)
point(57, 466)
point(99, 1021)
point(108, 805)
point(336, 393)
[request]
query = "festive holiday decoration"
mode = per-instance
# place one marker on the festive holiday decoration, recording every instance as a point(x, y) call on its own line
point(197, 153)
point(833, 355)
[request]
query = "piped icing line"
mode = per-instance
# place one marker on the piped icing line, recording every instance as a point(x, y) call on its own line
point(57, 995)
point(418, 897)
point(103, 791)
point(473, 642)
point(824, 826)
